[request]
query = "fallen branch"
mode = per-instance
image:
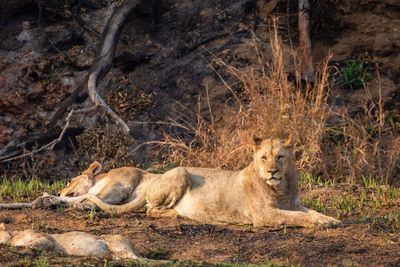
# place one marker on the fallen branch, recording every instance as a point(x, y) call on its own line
point(102, 64)
point(50, 145)
point(105, 55)
point(100, 102)
point(53, 143)
point(16, 146)
point(13, 206)
point(47, 201)
point(80, 92)
point(208, 39)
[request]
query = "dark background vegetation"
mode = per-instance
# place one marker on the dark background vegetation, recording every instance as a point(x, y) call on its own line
point(175, 65)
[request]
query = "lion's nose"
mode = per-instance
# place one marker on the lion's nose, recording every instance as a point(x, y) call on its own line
point(272, 172)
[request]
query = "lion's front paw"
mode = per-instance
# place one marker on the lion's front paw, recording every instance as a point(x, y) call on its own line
point(45, 201)
point(327, 222)
point(334, 222)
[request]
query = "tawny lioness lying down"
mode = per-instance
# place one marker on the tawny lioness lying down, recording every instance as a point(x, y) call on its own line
point(72, 243)
point(265, 193)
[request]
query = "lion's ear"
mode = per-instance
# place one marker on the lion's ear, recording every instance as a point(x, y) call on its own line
point(2, 227)
point(288, 143)
point(94, 168)
point(256, 142)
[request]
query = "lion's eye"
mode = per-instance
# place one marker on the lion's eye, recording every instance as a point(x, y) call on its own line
point(264, 158)
point(280, 157)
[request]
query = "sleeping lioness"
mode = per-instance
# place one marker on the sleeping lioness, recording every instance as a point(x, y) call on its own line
point(72, 243)
point(265, 193)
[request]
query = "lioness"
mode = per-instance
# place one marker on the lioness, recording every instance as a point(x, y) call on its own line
point(73, 243)
point(266, 193)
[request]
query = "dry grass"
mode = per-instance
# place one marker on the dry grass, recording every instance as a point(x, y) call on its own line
point(104, 145)
point(364, 147)
point(270, 105)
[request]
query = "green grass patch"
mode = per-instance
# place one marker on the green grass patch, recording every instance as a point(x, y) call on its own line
point(18, 190)
point(39, 262)
point(314, 203)
point(354, 74)
point(348, 205)
point(92, 214)
point(158, 166)
point(315, 180)
point(372, 201)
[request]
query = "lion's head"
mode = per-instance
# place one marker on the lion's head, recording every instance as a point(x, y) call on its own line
point(81, 184)
point(5, 236)
point(273, 160)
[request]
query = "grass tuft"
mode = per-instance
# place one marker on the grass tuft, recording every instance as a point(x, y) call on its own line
point(355, 74)
point(18, 189)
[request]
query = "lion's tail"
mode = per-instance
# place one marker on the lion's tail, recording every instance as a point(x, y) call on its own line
point(135, 204)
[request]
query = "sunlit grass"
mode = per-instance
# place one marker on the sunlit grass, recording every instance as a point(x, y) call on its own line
point(16, 190)
point(314, 203)
point(316, 180)
point(373, 202)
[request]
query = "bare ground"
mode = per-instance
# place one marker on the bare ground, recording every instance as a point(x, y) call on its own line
point(364, 240)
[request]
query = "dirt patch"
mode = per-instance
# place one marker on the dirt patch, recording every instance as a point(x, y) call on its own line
point(180, 239)
point(364, 239)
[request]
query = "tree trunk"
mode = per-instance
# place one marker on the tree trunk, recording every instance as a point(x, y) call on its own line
point(308, 73)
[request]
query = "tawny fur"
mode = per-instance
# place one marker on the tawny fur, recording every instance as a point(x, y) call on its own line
point(72, 243)
point(266, 193)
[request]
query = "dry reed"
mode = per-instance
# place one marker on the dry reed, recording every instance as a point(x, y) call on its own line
point(269, 105)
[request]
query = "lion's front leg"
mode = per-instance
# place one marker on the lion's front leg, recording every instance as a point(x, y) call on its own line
point(332, 222)
point(306, 218)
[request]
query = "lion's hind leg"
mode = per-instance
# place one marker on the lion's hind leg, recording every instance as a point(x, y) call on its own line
point(157, 212)
point(166, 191)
